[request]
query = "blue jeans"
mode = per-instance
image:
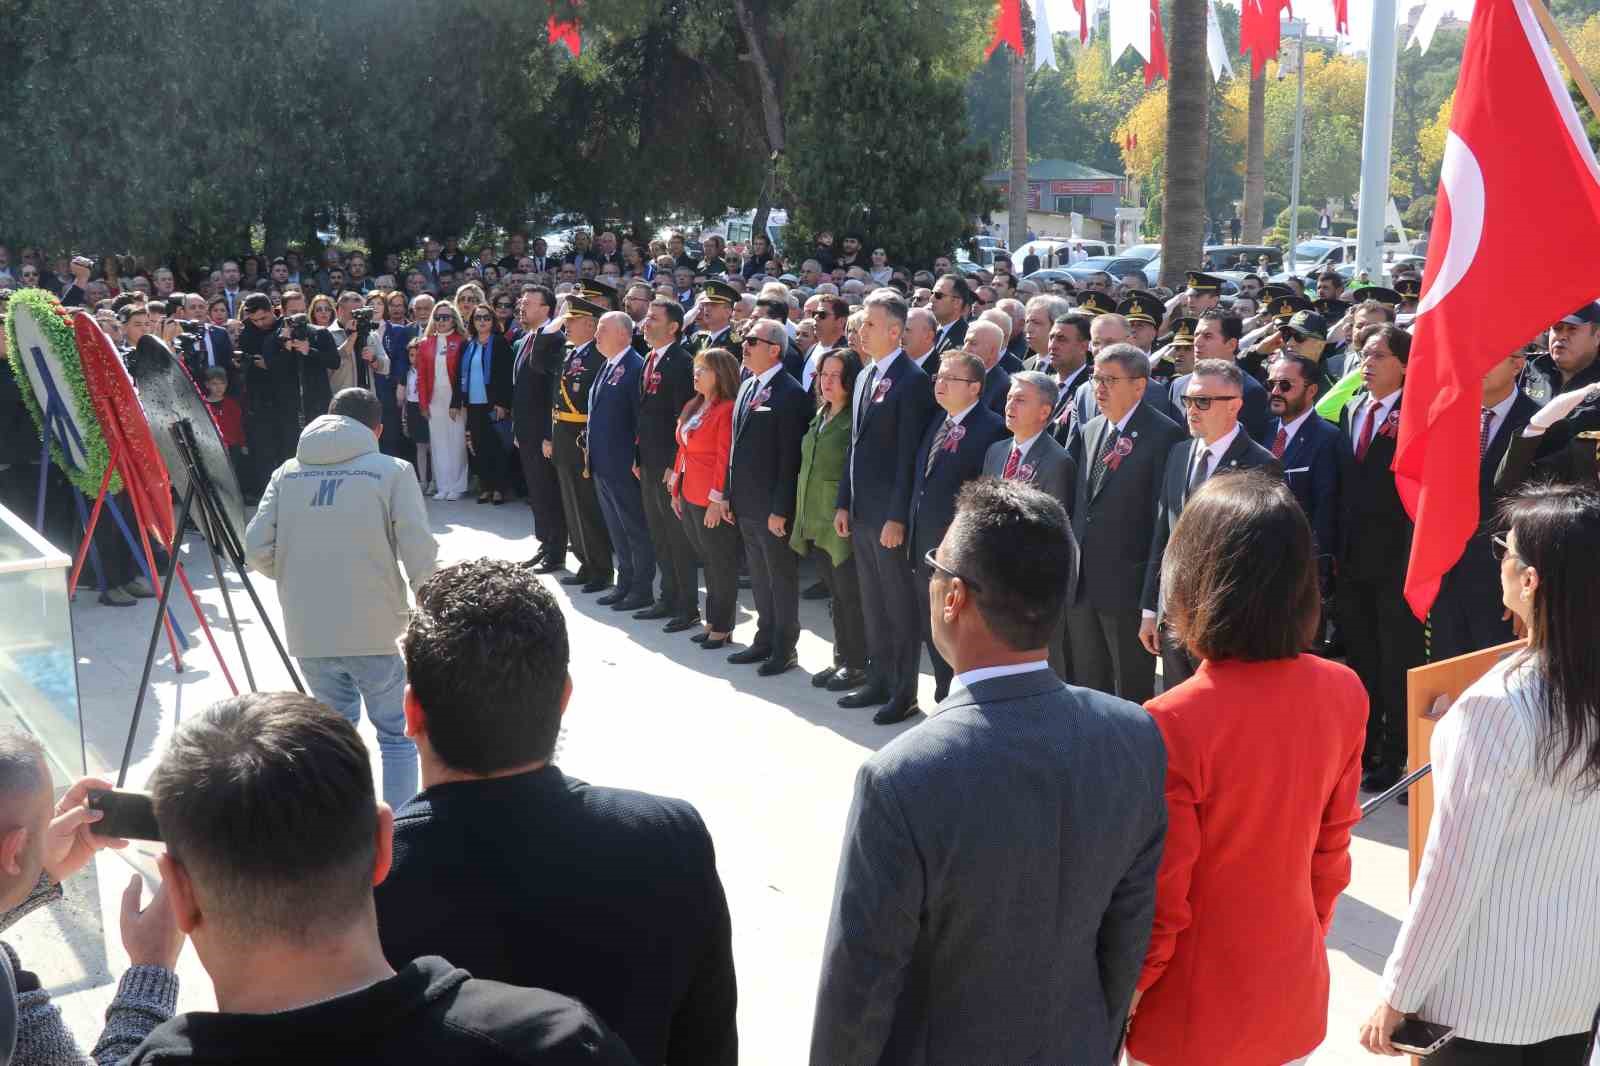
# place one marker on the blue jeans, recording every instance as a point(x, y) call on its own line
point(343, 682)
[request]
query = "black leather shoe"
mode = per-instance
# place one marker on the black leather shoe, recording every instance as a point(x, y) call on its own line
point(580, 578)
point(818, 591)
point(701, 637)
point(778, 664)
point(712, 645)
point(821, 678)
point(615, 596)
point(534, 563)
point(678, 625)
point(654, 611)
point(750, 655)
point(846, 680)
point(870, 696)
point(894, 713)
point(597, 584)
point(632, 603)
point(551, 563)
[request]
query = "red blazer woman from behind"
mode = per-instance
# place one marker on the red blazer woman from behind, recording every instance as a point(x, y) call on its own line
point(702, 465)
point(423, 357)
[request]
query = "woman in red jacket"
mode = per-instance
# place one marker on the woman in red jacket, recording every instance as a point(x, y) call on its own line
point(438, 361)
point(705, 439)
point(1263, 769)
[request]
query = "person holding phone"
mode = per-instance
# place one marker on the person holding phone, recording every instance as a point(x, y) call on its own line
point(1501, 942)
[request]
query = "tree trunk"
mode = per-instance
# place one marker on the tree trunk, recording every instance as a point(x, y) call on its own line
point(1183, 209)
point(1017, 207)
point(1255, 161)
point(771, 108)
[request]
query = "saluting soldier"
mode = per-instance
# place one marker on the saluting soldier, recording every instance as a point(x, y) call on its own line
point(569, 411)
point(1177, 358)
point(714, 318)
point(1144, 313)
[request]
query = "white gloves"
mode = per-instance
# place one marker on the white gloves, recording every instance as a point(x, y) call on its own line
point(1559, 408)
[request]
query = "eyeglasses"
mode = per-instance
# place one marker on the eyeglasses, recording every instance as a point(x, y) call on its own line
point(937, 378)
point(1202, 403)
point(1280, 385)
point(1500, 547)
point(1107, 380)
point(933, 564)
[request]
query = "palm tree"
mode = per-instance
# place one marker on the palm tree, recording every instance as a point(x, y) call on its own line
point(1255, 160)
point(1183, 208)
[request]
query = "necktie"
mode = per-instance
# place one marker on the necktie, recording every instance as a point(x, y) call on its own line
point(1483, 431)
point(1367, 428)
point(866, 396)
point(747, 392)
point(1202, 464)
point(644, 379)
point(1280, 443)
point(1098, 474)
point(938, 444)
point(1013, 461)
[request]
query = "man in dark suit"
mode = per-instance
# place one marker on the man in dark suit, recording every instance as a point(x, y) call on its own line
point(997, 883)
point(1218, 445)
point(569, 410)
point(614, 462)
point(1216, 336)
point(985, 340)
point(1315, 456)
point(1467, 614)
point(770, 416)
point(892, 406)
point(1033, 457)
point(551, 896)
point(952, 298)
point(1067, 362)
point(951, 454)
point(1383, 639)
point(1039, 315)
point(1120, 455)
point(536, 364)
point(665, 386)
point(778, 311)
point(920, 339)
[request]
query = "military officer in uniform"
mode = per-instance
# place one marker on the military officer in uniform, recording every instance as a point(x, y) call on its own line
point(1177, 358)
point(1144, 314)
point(1094, 302)
point(714, 318)
point(569, 411)
point(1570, 363)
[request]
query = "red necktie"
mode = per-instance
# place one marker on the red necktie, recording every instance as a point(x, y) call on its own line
point(644, 379)
point(1013, 461)
point(1366, 431)
point(1280, 443)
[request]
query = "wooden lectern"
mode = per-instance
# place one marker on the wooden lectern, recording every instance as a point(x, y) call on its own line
point(1430, 692)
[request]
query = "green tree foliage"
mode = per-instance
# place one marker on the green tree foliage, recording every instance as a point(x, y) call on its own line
point(877, 124)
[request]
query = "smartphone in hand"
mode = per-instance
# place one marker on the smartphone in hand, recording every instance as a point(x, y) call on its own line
point(1418, 1037)
point(129, 815)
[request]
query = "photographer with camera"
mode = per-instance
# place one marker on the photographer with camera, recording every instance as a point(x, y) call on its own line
point(287, 361)
point(361, 351)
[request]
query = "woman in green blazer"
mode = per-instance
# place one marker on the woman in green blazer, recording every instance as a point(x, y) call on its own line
point(822, 453)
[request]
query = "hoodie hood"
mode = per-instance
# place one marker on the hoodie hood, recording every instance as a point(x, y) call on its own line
point(334, 439)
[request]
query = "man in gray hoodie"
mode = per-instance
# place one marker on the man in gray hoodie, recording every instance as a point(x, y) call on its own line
point(333, 527)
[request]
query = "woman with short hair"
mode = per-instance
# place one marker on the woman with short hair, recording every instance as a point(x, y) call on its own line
point(1263, 773)
point(485, 388)
point(1502, 941)
point(699, 478)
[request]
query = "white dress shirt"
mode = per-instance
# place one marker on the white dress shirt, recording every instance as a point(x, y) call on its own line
point(1503, 938)
point(1502, 411)
point(1021, 447)
point(1217, 449)
point(1385, 405)
point(968, 678)
point(1291, 428)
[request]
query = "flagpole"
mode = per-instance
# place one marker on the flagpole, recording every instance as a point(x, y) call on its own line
point(1376, 140)
point(1574, 69)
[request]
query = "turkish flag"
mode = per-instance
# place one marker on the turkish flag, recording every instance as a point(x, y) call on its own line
point(1341, 16)
point(1007, 27)
point(1260, 31)
point(1082, 7)
point(564, 31)
point(1496, 205)
point(1157, 65)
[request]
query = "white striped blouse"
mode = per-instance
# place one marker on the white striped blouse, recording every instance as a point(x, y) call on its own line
point(1503, 938)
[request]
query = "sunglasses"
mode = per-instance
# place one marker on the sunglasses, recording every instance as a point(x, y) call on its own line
point(934, 564)
point(1202, 403)
point(760, 340)
point(1280, 385)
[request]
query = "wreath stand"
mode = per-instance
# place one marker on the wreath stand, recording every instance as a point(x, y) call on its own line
point(217, 531)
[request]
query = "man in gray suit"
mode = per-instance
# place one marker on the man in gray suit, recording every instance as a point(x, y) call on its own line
point(1039, 461)
point(1212, 399)
point(997, 885)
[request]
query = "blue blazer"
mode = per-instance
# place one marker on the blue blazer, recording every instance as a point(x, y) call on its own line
point(614, 418)
point(933, 500)
point(879, 467)
point(1314, 466)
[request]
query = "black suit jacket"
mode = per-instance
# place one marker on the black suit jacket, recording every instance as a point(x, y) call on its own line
point(1475, 575)
point(952, 339)
point(1315, 466)
point(996, 386)
point(933, 500)
point(673, 379)
point(221, 351)
point(885, 432)
point(1555, 455)
point(1253, 416)
point(764, 460)
point(1242, 454)
point(1113, 526)
point(534, 368)
point(1157, 397)
point(1374, 528)
point(1016, 353)
point(565, 906)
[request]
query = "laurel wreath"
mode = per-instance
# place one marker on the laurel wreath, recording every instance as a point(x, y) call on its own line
point(63, 345)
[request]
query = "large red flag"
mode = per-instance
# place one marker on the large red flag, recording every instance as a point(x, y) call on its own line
point(1341, 16)
point(1496, 205)
point(1157, 65)
point(1082, 7)
point(1259, 31)
point(564, 31)
point(1007, 27)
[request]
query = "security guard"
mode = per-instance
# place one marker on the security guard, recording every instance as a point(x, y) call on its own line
point(569, 410)
point(1570, 364)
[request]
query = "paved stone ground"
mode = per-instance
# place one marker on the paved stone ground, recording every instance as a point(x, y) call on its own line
point(769, 762)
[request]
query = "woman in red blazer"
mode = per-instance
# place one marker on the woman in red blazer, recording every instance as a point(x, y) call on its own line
point(1263, 770)
point(705, 439)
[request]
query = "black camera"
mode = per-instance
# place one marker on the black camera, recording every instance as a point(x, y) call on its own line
point(362, 317)
point(299, 327)
point(192, 327)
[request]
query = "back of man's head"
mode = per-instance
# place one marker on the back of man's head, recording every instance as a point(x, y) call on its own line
point(266, 802)
point(1015, 547)
point(486, 655)
point(359, 404)
point(25, 805)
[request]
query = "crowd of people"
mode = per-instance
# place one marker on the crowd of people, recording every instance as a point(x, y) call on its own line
point(1050, 488)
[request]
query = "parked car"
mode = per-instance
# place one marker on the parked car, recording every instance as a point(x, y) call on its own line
point(1116, 266)
point(1045, 247)
point(1146, 252)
